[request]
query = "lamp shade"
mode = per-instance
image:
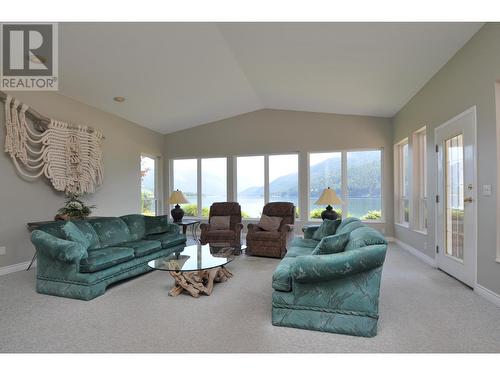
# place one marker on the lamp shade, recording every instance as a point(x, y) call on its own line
point(177, 197)
point(329, 197)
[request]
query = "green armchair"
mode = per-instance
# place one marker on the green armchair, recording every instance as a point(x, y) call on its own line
point(336, 293)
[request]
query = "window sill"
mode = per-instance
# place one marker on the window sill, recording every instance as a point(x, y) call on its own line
point(422, 232)
point(406, 226)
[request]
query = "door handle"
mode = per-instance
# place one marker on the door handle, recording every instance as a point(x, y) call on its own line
point(468, 200)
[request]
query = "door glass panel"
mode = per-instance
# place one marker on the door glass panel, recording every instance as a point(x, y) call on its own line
point(148, 186)
point(454, 204)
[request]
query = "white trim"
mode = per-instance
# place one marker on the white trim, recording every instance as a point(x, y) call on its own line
point(487, 294)
point(419, 254)
point(16, 267)
point(390, 239)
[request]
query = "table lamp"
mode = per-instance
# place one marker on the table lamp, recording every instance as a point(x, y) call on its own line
point(330, 198)
point(177, 212)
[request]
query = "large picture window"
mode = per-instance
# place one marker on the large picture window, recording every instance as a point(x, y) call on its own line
point(250, 185)
point(284, 178)
point(325, 170)
point(402, 185)
point(420, 179)
point(213, 183)
point(185, 179)
point(364, 184)
point(149, 191)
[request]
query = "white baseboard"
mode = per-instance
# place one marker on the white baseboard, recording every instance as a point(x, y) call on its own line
point(16, 267)
point(420, 255)
point(487, 294)
point(390, 239)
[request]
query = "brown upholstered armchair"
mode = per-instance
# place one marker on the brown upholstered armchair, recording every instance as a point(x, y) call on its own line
point(231, 235)
point(272, 244)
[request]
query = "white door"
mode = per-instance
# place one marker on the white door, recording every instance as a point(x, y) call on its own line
point(456, 200)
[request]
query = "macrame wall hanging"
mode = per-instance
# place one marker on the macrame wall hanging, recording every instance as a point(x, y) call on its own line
point(70, 156)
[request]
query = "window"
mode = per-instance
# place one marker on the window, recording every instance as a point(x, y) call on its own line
point(149, 192)
point(364, 184)
point(420, 179)
point(213, 183)
point(250, 185)
point(185, 179)
point(402, 183)
point(284, 179)
point(325, 170)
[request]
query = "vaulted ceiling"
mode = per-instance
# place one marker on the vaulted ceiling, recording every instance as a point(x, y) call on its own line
point(179, 75)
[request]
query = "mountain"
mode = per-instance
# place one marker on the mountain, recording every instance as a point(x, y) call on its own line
point(363, 171)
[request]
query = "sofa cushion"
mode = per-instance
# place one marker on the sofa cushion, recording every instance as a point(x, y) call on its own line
point(351, 223)
point(295, 251)
point(221, 234)
point(270, 223)
point(111, 231)
point(332, 244)
point(136, 225)
point(100, 259)
point(304, 242)
point(73, 233)
point(156, 224)
point(364, 236)
point(282, 278)
point(168, 239)
point(327, 228)
point(143, 247)
point(89, 232)
point(264, 236)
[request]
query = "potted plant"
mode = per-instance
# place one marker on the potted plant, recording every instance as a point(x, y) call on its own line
point(74, 208)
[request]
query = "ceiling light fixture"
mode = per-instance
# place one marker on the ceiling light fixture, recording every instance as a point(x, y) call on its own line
point(119, 99)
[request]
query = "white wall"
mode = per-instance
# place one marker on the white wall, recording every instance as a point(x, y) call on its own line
point(280, 131)
point(468, 79)
point(22, 202)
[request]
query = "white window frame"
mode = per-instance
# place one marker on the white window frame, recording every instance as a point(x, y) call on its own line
point(344, 181)
point(419, 154)
point(266, 176)
point(158, 207)
point(401, 168)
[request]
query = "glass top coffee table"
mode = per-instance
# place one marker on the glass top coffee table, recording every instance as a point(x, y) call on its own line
point(196, 268)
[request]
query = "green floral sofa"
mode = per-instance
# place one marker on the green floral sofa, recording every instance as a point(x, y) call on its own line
point(332, 293)
point(100, 252)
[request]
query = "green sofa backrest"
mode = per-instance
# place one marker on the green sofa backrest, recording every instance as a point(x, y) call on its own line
point(84, 225)
point(136, 225)
point(364, 236)
point(111, 230)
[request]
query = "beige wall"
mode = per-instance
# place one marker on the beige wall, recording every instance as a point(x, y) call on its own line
point(468, 79)
point(21, 201)
point(280, 131)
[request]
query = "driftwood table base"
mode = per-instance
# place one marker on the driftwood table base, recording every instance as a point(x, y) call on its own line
point(198, 282)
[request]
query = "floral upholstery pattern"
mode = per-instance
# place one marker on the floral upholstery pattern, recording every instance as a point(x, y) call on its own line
point(337, 292)
point(272, 244)
point(65, 268)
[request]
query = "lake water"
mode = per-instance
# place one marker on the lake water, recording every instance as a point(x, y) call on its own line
point(253, 206)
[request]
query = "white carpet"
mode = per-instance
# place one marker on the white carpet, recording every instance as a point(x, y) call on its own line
point(421, 310)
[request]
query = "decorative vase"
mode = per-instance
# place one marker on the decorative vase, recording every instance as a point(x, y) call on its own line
point(329, 213)
point(177, 213)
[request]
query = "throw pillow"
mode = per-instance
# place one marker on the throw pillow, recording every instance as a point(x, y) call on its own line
point(73, 233)
point(220, 222)
point(327, 228)
point(332, 244)
point(270, 223)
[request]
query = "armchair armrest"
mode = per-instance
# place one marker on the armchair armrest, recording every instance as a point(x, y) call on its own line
point(286, 228)
point(204, 227)
point(253, 228)
point(238, 227)
point(309, 231)
point(317, 268)
point(57, 248)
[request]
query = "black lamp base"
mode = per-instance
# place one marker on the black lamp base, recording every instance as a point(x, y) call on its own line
point(177, 213)
point(329, 213)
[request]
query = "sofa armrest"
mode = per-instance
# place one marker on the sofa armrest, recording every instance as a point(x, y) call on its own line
point(309, 231)
point(57, 248)
point(316, 268)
